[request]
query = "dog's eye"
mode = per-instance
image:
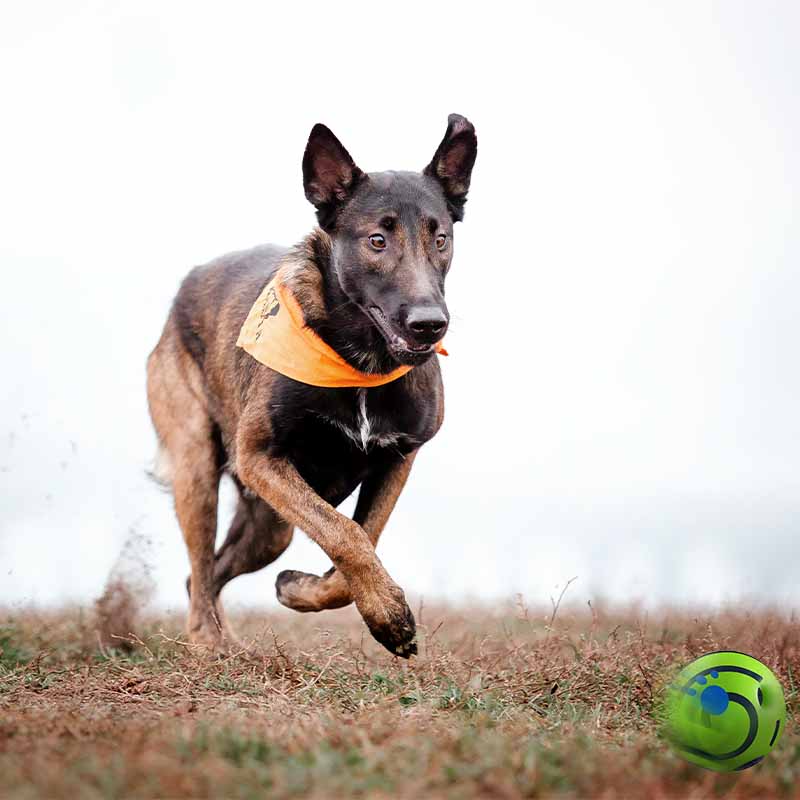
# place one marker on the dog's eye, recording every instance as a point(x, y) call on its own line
point(377, 241)
point(441, 241)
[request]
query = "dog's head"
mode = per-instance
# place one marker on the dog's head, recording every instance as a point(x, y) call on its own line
point(392, 233)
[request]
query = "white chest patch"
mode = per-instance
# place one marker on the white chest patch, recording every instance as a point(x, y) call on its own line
point(365, 435)
point(365, 427)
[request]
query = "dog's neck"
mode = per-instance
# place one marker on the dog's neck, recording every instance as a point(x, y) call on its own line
point(327, 310)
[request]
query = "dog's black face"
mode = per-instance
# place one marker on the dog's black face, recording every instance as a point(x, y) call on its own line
point(391, 251)
point(392, 234)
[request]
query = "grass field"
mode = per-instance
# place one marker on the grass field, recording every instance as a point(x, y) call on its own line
point(502, 702)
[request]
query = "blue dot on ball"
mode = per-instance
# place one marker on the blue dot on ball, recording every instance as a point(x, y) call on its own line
point(714, 700)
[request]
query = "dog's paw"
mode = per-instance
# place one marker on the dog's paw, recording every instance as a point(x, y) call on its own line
point(289, 589)
point(302, 591)
point(211, 641)
point(389, 619)
point(209, 631)
point(398, 633)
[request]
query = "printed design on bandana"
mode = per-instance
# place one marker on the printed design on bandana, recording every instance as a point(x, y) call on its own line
point(269, 308)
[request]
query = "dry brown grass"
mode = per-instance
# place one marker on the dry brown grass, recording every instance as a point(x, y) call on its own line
point(498, 704)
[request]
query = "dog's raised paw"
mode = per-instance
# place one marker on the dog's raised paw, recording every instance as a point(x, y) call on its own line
point(288, 589)
point(397, 634)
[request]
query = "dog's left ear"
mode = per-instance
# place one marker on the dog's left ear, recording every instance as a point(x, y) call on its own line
point(330, 175)
point(453, 161)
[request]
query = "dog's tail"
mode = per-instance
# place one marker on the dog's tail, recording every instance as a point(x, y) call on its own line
point(161, 471)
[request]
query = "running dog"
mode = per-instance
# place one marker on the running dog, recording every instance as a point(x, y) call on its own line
point(308, 372)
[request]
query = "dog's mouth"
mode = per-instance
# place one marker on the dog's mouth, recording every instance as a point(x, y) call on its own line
point(401, 349)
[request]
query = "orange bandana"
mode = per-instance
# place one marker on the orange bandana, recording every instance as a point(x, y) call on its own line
point(275, 333)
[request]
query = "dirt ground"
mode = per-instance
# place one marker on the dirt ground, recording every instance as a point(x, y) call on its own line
point(501, 702)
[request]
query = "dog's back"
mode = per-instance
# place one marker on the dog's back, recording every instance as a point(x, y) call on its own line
point(198, 343)
point(214, 299)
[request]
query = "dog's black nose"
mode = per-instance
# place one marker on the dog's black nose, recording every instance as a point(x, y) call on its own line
point(427, 324)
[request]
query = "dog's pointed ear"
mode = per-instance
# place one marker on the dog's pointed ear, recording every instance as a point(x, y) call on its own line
point(453, 161)
point(330, 175)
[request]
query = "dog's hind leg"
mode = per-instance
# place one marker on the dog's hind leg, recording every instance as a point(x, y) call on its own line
point(195, 485)
point(256, 537)
point(189, 440)
point(377, 497)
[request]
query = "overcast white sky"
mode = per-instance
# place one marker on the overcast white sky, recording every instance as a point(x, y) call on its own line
point(622, 394)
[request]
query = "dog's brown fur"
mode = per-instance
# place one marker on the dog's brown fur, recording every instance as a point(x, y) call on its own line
point(215, 409)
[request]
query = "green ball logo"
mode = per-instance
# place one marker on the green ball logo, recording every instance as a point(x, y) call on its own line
point(725, 711)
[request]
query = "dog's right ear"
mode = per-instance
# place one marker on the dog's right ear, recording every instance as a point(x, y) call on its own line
point(330, 175)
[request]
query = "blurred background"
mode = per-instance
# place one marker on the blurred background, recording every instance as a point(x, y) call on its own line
point(622, 389)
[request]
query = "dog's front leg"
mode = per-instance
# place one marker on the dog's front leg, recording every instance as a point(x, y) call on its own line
point(379, 599)
point(377, 497)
